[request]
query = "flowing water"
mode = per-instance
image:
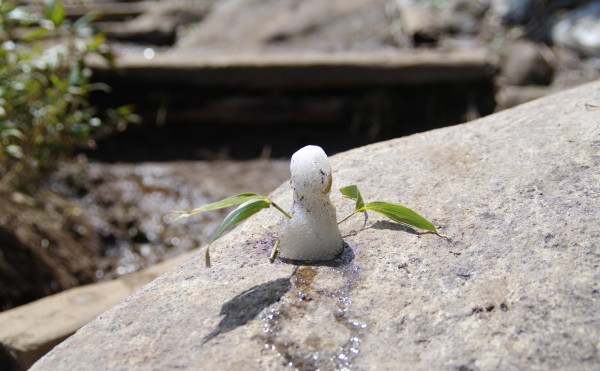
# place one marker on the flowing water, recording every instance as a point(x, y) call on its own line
point(130, 204)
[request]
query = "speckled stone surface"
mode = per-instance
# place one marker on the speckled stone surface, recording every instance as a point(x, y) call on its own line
point(516, 284)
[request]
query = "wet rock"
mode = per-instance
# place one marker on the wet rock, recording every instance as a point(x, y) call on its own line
point(128, 204)
point(524, 63)
point(515, 284)
point(580, 30)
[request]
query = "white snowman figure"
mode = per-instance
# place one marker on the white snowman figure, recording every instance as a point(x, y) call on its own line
point(312, 232)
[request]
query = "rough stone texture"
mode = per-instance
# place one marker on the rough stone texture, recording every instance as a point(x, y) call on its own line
point(335, 25)
point(516, 284)
point(158, 24)
point(524, 64)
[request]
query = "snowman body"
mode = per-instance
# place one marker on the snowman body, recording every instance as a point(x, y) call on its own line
point(312, 232)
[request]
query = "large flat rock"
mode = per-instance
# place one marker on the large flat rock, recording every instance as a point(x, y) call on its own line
point(515, 285)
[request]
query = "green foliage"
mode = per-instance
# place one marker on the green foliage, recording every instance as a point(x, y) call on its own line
point(44, 88)
point(397, 213)
point(241, 213)
point(352, 192)
point(229, 201)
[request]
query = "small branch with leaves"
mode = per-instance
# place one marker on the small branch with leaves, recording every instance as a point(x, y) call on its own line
point(395, 212)
point(250, 204)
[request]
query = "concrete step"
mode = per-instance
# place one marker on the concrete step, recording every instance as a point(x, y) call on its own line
point(30, 331)
point(301, 71)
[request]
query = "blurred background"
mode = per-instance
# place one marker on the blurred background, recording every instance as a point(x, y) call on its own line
point(114, 113)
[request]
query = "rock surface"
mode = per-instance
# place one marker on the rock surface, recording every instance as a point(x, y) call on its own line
point(524, 64)
point(515, 285)
point(335, 25)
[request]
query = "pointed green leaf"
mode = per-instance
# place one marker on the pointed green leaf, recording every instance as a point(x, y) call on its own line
point(57, 82)
point(229, 201)
point(352, 192)
point(241, 213)
point(36, 34)
point(401, 214)
point(55, 11)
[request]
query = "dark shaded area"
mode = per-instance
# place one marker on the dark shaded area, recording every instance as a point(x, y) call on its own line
point(6, 360)
point(187, 122)
point(41, 252)
point(343, 260)
point(386, 224)
point(158, 37)
point(537, 15)
point(19, 264)
point(247, 305)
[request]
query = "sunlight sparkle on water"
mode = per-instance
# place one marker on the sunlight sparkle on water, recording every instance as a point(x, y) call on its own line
point(148, 53)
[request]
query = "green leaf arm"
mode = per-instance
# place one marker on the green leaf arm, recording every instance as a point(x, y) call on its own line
point(36, 34)
point(400, 214)
point(241, 213)
point(229, 201)
point(352, 192)
point(55, 11)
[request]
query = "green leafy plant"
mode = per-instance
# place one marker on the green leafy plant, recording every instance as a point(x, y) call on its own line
point(397, 213)
point(251, 203)
point(44, 88)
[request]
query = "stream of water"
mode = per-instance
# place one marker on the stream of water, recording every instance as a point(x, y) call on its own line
point(129, 204)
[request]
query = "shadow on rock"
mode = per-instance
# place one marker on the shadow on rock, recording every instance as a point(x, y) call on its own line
point(345, 259)
point(384, 224)
point(247, 305)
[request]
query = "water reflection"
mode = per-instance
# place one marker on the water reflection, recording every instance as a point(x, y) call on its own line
point(128, 204)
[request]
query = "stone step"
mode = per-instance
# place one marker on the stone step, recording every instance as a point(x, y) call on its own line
point(30, 331)
point(301, 71)
point(340, 100)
